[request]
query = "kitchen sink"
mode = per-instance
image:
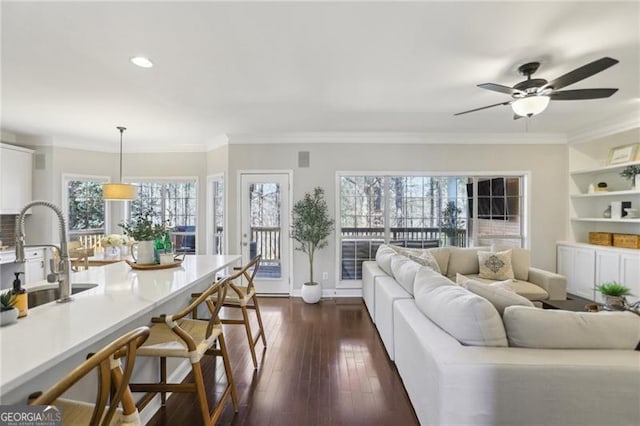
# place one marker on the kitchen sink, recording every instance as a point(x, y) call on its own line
point(41, 295)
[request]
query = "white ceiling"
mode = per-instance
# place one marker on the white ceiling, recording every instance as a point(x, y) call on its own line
point(302, 67)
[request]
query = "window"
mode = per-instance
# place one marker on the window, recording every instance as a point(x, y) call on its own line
point(425, 211)
point(86, 210)
point(217, 221)
point(173, 202)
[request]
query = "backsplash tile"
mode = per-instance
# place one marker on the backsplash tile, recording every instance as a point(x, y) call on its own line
point(7, 228)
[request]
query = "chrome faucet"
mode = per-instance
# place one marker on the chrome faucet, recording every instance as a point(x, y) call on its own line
point(60, 271)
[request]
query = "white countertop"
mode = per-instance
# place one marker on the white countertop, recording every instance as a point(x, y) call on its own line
point(55, 331)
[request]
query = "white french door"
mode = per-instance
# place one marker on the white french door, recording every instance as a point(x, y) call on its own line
point(264, 228)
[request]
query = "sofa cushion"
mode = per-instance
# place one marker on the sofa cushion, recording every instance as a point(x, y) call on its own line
point(506, 284)
point(523, 288)
point(495, 266)
point(421, 256)
point(426, 278)
point(404, 271)
point(469, 318)
point(383, 258)
point(558, 329)
point(520, 260)
point(498, 293)
point(463, 260)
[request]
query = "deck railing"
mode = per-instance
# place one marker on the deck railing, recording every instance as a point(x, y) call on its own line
point(265, 241)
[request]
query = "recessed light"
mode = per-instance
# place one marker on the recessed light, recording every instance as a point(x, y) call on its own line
point(142, 62)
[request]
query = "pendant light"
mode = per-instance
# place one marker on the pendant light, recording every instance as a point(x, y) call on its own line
point(119, 191)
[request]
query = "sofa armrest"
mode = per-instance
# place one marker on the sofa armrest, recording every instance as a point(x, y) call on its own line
point(554, 284)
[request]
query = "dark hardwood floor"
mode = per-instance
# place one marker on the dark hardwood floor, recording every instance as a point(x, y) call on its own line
point(325, 365)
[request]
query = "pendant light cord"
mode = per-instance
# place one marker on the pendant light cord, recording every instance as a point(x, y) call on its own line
point(122, 129)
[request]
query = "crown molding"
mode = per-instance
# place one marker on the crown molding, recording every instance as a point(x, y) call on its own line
point(606, 128)
point(401, 138)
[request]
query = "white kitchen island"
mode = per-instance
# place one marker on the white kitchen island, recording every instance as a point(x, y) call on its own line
point(54, 338)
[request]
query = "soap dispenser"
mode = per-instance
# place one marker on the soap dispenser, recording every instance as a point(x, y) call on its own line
point(22, 300)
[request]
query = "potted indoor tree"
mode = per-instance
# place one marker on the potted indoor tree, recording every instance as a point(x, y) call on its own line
point(8, 312)
point(310, 228)
point(450, 223)
point(613, 294)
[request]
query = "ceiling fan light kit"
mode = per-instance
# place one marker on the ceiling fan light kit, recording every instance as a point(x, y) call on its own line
point(530, 105)
point(119, 191)
point(531, 96)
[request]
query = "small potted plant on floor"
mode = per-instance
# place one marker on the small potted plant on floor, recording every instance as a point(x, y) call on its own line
point(632, 173)
point(8, 312)
point(310, 228)
point(614, 293)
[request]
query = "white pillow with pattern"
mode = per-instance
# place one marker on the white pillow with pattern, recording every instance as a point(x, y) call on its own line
point(495, 265)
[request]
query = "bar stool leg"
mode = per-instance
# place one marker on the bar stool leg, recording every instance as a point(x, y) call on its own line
point(245, 316)
point(163, 379)
point(255, 304)
point(201, 392)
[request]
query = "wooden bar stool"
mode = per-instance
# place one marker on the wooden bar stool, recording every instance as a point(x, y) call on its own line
point(245, 298)
point(175, 336)
point(111, 380)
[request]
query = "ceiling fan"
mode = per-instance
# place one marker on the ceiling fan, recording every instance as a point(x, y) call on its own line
point(531, 96)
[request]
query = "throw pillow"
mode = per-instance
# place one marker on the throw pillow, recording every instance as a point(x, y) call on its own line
point(464, 260)
point(421, 256)
point(506, 284)
point(500, 297)
point(404, 271)
point(495, 266)
point(469, 318)
point(558, 329)
point(520, 261)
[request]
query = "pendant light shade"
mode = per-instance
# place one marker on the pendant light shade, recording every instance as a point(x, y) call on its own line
point(119, 191)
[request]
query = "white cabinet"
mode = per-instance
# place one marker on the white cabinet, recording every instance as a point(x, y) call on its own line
point(16, 174)
point(586, 266)
point(578, 264)
point(34, 267)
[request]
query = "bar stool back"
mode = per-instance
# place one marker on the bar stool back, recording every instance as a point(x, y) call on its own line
point(111, 377)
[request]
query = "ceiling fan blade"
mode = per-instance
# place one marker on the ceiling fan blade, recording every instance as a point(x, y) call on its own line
point(484, 107)
point(500, 88)
point(582, 73)
point(576, 95)
point(517, 117)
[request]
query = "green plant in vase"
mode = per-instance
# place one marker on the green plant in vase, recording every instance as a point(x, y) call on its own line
point(450, 222)
point(8, 312)
point(144, 228)
point(631, 173)
point(614, 293)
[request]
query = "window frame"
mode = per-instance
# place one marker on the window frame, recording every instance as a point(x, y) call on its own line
point(165, 180)
point(210, 212)
point(68, 177)
point(525, 213)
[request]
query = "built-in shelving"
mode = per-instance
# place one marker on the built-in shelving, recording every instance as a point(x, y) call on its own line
point(606, 194)
point(604, 169)
point(602, 219)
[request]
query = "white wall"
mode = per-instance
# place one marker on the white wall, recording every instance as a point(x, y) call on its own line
point(546, 163)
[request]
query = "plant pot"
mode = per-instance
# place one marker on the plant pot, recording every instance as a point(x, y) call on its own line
point(143, 252)
point(614, 303)
point(311, 292)
point(8, 317)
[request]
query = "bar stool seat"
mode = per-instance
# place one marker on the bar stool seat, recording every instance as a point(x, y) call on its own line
point(176, 336)
point(80, 413)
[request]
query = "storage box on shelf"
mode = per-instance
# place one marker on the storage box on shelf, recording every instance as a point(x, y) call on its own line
point(631, 241)
point(601, 238)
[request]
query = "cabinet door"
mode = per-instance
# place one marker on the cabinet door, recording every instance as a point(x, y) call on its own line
point(34, 268)
point(16, 177)
point(607, 269)
point(584, 266)
point(565, 262)
point(630, 274)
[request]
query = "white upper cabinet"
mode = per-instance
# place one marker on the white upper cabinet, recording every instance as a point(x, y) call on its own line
point(16, 177)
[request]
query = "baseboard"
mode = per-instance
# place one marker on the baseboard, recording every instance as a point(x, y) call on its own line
point(177, 376)
point(330, 293)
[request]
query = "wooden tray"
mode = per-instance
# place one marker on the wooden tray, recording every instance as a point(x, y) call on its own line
point(153, 266)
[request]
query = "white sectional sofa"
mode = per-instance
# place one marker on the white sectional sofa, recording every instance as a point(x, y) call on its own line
point(453, 383)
